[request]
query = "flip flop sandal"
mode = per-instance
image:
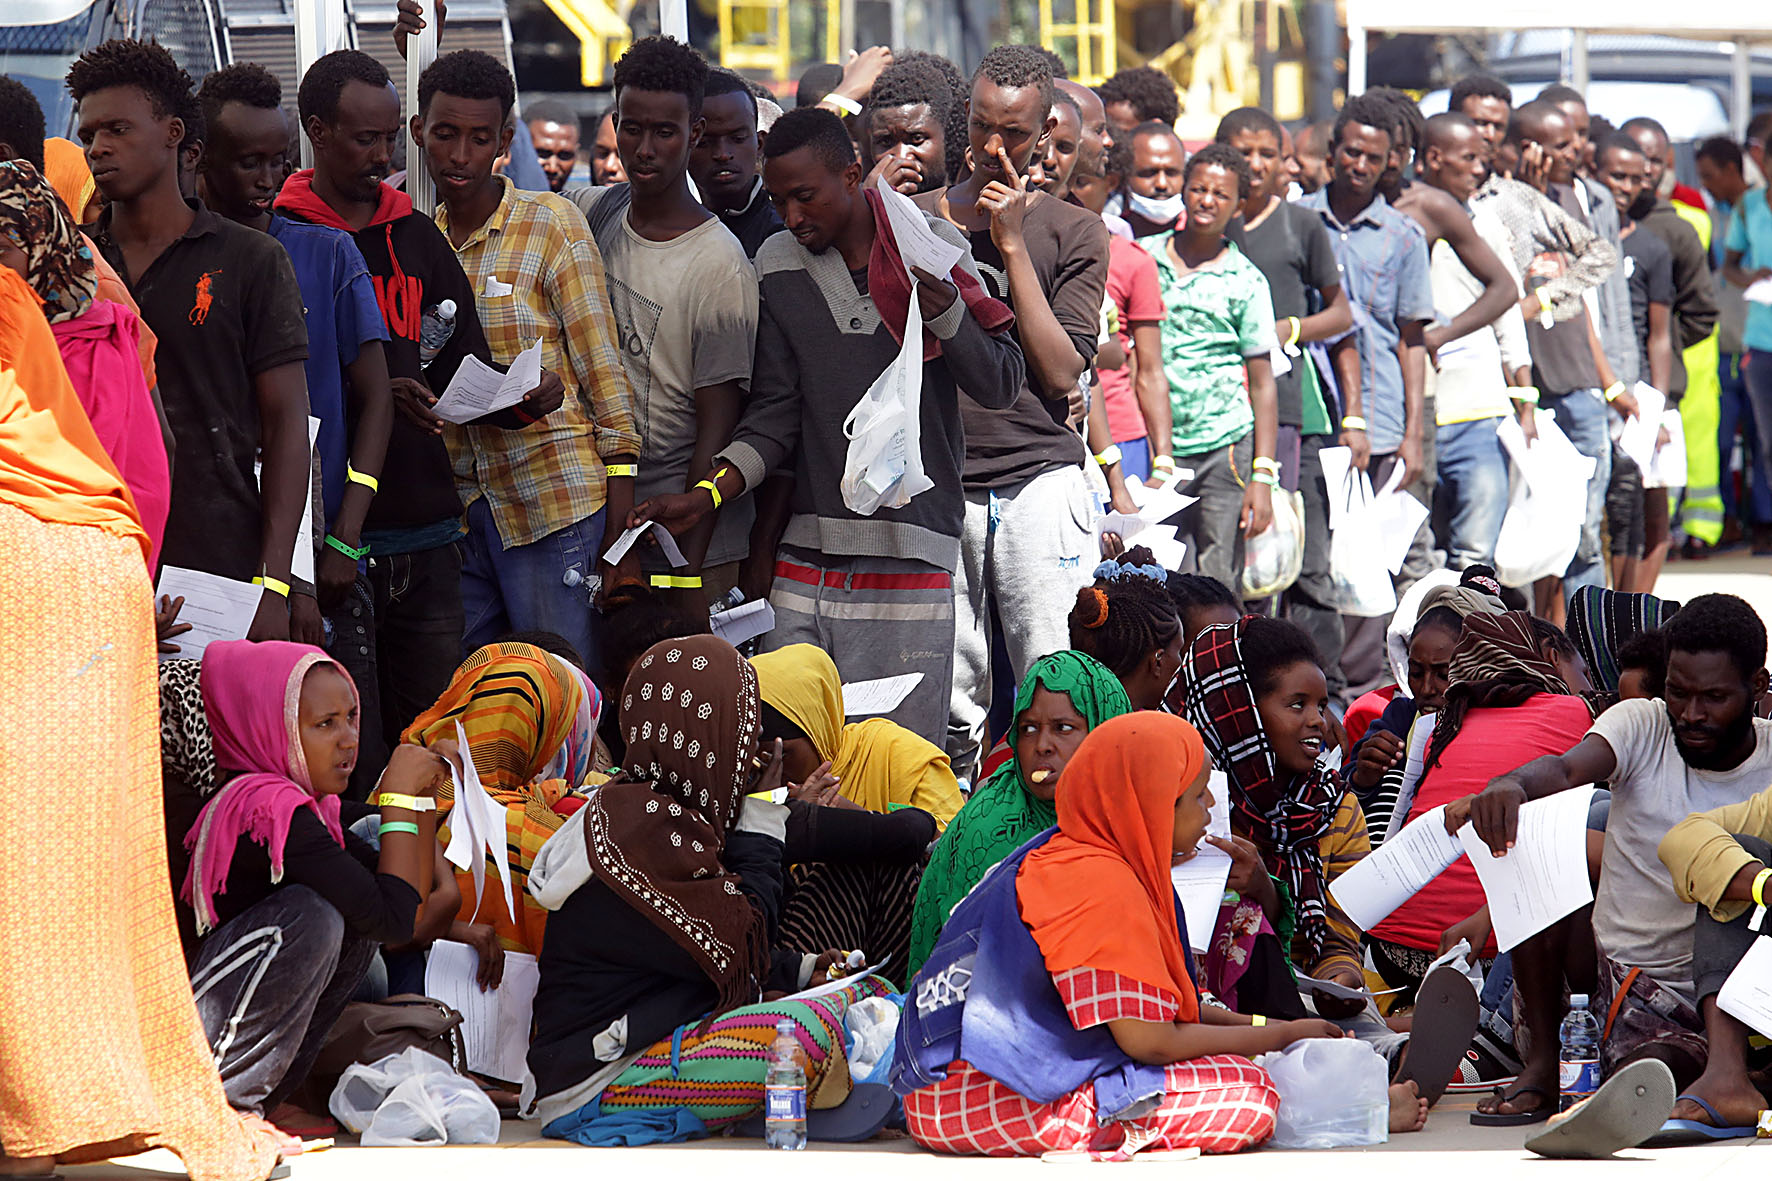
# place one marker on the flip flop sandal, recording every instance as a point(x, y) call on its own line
point(1482, 1068)
point(1624, 1112)
point(1517, 1119)
point(1446, 1011)
point(1677, 1133)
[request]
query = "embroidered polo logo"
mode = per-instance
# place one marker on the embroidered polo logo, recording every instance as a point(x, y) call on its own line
point(205, 296)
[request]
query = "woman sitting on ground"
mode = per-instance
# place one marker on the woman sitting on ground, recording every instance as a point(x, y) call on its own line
point(1064, 696)
point(665, 886)
point(865, 801)
point(1078, 933)
point(289, 907)
point(531, 722)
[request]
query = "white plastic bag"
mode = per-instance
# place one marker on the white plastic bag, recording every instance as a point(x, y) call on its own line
point(884, 464)
point(1334, 1093)
point(1273, 557)
point(1546, 503)
point(412, 1099)
point(871, 1025)
point(1357, 565)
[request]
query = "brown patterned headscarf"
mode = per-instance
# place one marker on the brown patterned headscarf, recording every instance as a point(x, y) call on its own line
point(691, 717)
point(58, 264)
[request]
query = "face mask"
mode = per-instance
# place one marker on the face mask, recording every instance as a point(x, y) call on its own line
point(1162, 210)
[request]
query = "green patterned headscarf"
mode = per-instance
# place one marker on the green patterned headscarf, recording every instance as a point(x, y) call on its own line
point(1003, 814)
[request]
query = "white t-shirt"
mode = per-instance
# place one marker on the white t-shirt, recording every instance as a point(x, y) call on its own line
point(1638, 920)
point(686, 315)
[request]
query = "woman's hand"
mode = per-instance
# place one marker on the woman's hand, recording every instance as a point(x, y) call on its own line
point(769, 778)
point(166, 624)
point(826, 960)
point(813, 790)
point(1337, 1008)
point(1308, 1027)
point(1475, 929)
point(1249, 877)
point(1381, 751)
point(484, 941)
point(417, 770)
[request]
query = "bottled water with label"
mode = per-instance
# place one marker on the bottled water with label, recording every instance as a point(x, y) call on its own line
point(1579, 1058)
point(434, 330)
point(784, 1092)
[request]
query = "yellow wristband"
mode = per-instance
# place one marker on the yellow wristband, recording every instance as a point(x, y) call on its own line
point(393, 799)
point(1109, 455)
point(1614, 390)
point(1524, 393)
point(677, 581)
point(352, 475)
point(843, 103)
point(272, 584)
point(1162, 463)
point(1297, 330)
point(713, 491)
point(1262, 463)
point(621, 469)
point(1760, 881)
point(1353, 422)
point(1257, 1021)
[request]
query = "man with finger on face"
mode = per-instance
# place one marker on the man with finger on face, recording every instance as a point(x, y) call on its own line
point(1027, 547)
point(904, 127)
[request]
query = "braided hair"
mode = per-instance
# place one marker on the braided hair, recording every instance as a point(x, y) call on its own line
point(1125, 614)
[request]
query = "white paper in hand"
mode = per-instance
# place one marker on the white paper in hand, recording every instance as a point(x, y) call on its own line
point(1397, 871)
point(666, 544)
point(1668, 468)
point(217, 609)
point(1759, 291)
point(1544, 876)
point(478, 389)
point(477, 829)
point(1636, 435)
point(1200, 880)
point(495, 1022)
point(1397, 516)
point(744, 622)
point(862, 698)
point(1747, 994)
point(918, 244)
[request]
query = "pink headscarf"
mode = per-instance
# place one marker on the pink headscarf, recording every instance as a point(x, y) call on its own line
point(99, 348)
point(252, 694)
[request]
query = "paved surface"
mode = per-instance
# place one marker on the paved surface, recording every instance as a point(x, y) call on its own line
point(1735, 573)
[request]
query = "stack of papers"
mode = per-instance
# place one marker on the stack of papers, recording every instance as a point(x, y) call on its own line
point(495, 1023)
point(477, 829)
point(1200, 880)
point(744, 622)
point(478, 389)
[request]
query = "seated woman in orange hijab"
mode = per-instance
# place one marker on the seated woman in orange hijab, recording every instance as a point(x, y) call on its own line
point(1081, 1004)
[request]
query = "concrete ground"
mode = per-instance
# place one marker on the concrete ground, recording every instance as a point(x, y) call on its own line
point(1449, 1149)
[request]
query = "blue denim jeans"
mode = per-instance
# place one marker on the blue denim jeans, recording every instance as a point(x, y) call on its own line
point(1471, 497)
point(1584, 417)
point(543, 586)
point(1736, 413)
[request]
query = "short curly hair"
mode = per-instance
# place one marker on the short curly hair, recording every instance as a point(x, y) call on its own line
point(1720, 623)
point(1478, 86)
point(954, 126)
point(904, 84)
point(664, 65)
point(1053, 61)
point(814, 128)
point(321, 86)
point(1016, 66)
point(21, 121)
point(1149, 91)
point(145, 65)
point(243, 82)
point(722, 81)
point(1410, 122)
point(471, 74)
point(1366, 110)
point(1225, 157)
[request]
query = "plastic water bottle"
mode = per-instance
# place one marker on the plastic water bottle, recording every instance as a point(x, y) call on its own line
point(434, 330)
point(1579, 1059)
point(784, 1092)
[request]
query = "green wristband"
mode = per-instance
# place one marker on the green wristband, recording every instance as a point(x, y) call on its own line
point(356, 555)
point(388, 826)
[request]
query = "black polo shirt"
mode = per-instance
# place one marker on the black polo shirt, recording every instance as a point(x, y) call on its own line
point(224, 302)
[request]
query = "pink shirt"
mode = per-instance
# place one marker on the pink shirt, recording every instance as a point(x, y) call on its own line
point(1132, 285)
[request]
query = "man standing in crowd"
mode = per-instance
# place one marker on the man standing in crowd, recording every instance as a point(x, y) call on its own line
point(350, 113)
point(1747, 259)
point(605, 160)
point(1028, 544)
point(1384, 266)
point(876, 591)
point(224, 303)
point(347, 369)
point(1139, 94)
point(542, 506)
point(723, 162)
point(904, 127)
point(1154, 203)
point(685, 303)
point(553, 130)
point(1701, 747)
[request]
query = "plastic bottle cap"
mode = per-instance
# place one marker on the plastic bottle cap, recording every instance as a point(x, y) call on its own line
point(784, 1026)
point(446, 309)
point(1578, 1000)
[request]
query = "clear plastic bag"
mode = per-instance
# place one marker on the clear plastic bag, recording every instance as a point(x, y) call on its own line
point(883, 467)
point(1273, 557)
point(871, 1025)
point(412, 1099)
point(1334, 1093)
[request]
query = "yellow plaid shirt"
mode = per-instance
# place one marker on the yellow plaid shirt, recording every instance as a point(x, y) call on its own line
point(546, 281)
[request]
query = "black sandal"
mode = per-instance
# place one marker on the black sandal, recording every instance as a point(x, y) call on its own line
point(1517, 1119)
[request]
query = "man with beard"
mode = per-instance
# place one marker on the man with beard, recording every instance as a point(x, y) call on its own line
point(1700, 748)
point(553, 131)
point(723, 162)
point(903, 130)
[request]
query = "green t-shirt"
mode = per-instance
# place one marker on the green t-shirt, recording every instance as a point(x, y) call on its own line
point(1218, 315)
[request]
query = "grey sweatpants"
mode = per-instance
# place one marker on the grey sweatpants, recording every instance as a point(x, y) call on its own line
point(877, 617)
point(1210, 527)
point(1025, 552)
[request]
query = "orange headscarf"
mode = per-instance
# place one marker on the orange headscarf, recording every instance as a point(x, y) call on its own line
point(65, 168)
point(51, 462)
point(1098, 894)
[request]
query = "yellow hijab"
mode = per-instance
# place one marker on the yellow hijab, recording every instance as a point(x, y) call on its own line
point(878, 763)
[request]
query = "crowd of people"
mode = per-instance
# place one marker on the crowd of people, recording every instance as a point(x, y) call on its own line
point(210, 359)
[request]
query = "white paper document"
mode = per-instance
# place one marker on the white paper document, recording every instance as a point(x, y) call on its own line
point(1668, 469)
point(862, 698)
point(1340, 992)
point(217, 609)
point(1159, 502)
point(918, 245)
point(1747, 994)
point(1200, 880)
point(1397, 516)
point(477, 829)
point(1544, 876)
point(478, 389)
point(744, 622)
point(1336, 463)
point(666, 544)
point(495, 1022)
point(817, 990)
point(1636, 435)
point(301, 562)
point(1397, 871)
point(1421, 733)
point(1759, 291)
